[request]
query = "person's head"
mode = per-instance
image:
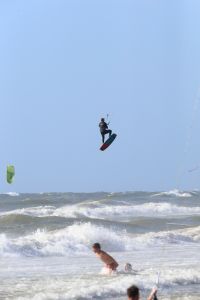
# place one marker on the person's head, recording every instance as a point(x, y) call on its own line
point(133, 293)
point(102, 119)
point(128, 267)
point(96, 247)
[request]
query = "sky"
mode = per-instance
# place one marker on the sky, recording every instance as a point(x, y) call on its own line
point(64, 64)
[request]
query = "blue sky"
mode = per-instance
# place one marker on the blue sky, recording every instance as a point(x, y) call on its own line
point(65, 64)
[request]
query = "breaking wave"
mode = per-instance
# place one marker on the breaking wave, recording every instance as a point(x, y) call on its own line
point(78, 239)
point(101, 211)
point(175, 193)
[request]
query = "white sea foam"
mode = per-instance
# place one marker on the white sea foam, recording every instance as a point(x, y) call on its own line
point(150, 209)
point(102, 211)
point(181, 236)
point(12, 194)
point(174, 192)
point(105, 287)
point(78, 238)
point(37, 211)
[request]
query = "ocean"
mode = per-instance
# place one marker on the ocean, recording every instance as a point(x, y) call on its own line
point(46, 244)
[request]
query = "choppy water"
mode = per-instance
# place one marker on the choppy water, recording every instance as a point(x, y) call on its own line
point(45, 244)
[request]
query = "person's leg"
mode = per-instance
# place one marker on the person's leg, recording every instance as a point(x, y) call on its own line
point(103, 137)
point(108, 131)
point(112, 267)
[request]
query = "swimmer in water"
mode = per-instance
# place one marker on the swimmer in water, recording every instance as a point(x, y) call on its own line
point(109, 261)
point(133, 293)
point(128, 267)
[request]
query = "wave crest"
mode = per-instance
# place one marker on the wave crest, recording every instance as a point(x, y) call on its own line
point(78, 239)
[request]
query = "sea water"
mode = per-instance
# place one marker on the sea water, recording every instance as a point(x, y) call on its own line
point(46, 240)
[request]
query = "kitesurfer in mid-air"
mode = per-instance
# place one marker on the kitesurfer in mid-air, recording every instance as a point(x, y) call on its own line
point(104, 129)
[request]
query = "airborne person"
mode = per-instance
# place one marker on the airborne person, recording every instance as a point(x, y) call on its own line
point(104, 129)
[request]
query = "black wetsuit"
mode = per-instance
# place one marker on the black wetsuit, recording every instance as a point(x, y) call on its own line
point(155, 297)
point(104, 130)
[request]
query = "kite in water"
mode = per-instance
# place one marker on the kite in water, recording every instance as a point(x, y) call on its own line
point(10, 173)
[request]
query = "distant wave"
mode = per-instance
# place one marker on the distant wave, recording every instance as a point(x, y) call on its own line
point(37, 211)
point(12, 219)
point(12, 194)
point(150, 209)
point(176, 193)
point(101, 211)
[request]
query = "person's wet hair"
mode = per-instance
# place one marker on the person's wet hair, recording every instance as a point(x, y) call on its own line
point(96, 246)
point(133, 291)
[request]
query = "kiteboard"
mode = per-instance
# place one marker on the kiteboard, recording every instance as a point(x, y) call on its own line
point(108, 142)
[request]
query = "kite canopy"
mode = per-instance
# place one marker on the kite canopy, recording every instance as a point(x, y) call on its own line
point(10, 173)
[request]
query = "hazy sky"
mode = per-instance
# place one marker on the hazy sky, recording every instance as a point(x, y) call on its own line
point(65, 64)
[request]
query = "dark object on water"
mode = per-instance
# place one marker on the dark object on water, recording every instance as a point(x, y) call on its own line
point(128, 267)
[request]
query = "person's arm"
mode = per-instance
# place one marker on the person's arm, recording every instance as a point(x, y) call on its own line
point(152, 294)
